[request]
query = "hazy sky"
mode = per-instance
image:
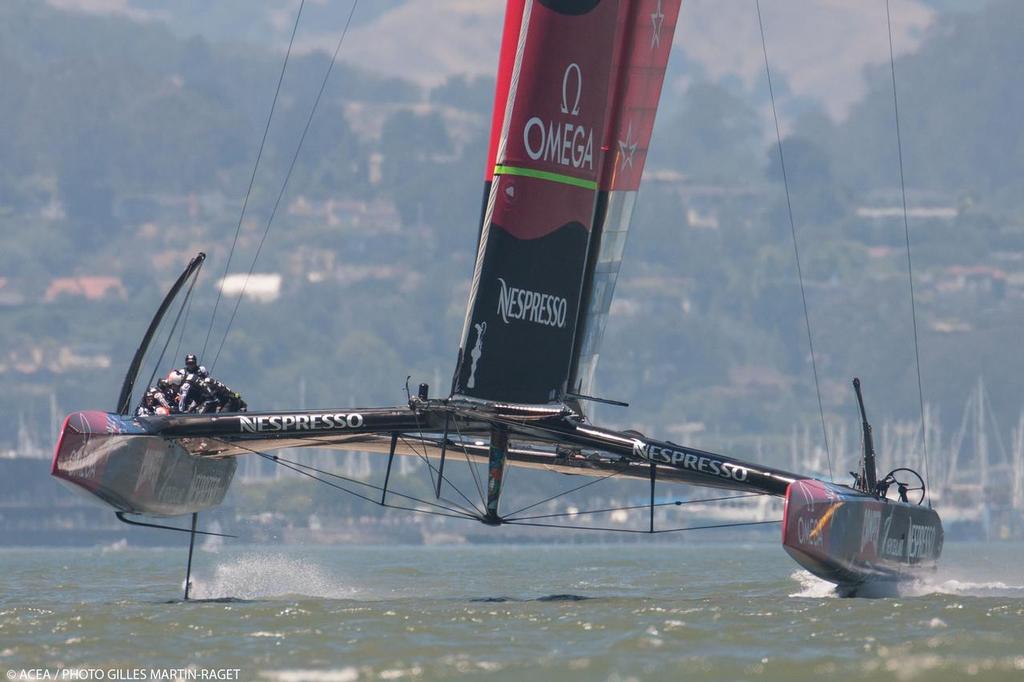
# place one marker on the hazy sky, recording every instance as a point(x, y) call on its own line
point(818, 47)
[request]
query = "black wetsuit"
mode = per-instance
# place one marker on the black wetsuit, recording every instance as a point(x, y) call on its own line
point(220, 398)
point(153, 399)
point(170, 396)
point(190, 395)
point(146, 408)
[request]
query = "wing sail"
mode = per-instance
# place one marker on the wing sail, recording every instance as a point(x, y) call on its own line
point(518, 334)
point(580, 71)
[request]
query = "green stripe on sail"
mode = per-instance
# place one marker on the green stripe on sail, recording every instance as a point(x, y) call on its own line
point(545, 175)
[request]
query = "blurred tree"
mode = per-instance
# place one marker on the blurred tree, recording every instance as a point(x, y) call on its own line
point(466, 94)
point(714, 136)
point(813, 190)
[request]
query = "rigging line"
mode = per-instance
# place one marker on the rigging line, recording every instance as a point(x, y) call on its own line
point(720, 525)
point(433, 482)
point(284, 185)
point(472, 467)
point(469, 463)
point(286, 465)
point(177, 318)
point(646, 505)
point(565, 492)
point(391, 491)
point(278, 458)
point(457, 515)
point(642, 532)
point(796, 249)
point(252, 178)
point(184, 326)
point(910, 267)
point(995, 423)
point(426, 460)
point(419, 429)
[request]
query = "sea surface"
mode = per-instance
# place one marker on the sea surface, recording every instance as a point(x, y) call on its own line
point(635, 611)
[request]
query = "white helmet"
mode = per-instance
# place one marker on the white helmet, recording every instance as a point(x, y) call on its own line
point(175, 378)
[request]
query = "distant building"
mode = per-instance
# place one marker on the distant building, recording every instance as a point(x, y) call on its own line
point(973, 278)
point(913, 213)
point(79, 358)
point(88, 287)
point(261, 288)
point(879, 251)
point(950, 326)
point(54, 359)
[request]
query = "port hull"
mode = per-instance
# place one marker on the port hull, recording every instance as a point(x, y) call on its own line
point(111, 458)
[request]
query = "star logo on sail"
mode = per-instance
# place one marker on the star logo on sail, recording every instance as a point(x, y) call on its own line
point(627, 148)
point(657, 21)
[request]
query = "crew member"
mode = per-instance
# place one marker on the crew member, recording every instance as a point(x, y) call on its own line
point(165, 394)
point(220, 398)
point(157, 399)
point(148, 405)
point(190, 396)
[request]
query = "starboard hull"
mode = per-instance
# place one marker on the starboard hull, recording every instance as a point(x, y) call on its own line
point(112, 459)
point(850, 538)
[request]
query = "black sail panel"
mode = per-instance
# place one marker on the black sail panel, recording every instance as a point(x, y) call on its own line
point(524, 316)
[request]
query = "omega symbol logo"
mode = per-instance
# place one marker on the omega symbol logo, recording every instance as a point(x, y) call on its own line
point(572, 68)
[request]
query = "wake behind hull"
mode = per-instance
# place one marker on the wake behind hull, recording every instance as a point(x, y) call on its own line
point(111, 458)
point(849, 538)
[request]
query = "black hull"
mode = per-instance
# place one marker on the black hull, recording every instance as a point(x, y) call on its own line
point(852, 539)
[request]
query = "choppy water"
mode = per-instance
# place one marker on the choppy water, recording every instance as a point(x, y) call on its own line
point(568, 612)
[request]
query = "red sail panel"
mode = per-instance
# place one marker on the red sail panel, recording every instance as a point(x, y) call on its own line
point(649, 27)
point(506, 61)
point(518, 336)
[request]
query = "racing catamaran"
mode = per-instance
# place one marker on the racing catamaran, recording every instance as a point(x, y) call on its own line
point(577, 91)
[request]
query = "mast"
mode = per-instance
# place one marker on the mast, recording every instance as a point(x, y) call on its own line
point(1018, 464)
point(980, 438)
point(868, 481)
